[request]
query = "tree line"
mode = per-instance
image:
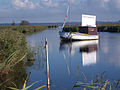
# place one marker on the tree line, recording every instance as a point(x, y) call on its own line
point(23, 22)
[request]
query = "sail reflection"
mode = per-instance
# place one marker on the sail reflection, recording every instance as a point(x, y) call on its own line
point(89, 53)
point(88, 50)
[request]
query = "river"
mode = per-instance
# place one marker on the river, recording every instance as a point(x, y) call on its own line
point(75, 61)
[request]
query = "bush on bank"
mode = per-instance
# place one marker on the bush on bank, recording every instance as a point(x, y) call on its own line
point(10, 42)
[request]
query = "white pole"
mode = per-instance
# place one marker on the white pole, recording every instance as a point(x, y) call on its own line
point(48, 79)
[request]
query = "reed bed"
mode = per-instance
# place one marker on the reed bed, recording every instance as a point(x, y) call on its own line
point(11, 41)
point(108, 27)
point(101, 28)
point(26, 29)
point(26, 87)
point(99, 82)
point(13, 51)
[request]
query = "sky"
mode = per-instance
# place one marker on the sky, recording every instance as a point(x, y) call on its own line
point(52, 11)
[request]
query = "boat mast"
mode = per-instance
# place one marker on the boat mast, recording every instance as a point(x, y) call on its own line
point(67, 13)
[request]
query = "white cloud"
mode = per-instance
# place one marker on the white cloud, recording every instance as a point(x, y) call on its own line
point(49, 3)
point(24, 4)
point(117, 3)
point(51, 10)
point(29, 4)
point(106, 0)
point(72, 1)
point(114, 3)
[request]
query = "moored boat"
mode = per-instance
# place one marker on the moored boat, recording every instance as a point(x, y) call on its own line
point(79, 36)
point(88, 30)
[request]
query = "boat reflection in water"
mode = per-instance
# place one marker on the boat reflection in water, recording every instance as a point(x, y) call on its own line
point(88, 49)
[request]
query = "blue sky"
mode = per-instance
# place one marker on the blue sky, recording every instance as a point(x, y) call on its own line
point(43, 11)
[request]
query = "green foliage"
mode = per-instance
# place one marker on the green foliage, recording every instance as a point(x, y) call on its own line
point(13, 24)
point(13, 50)
point(25, 87)
point(108, 27)
point(99, 82)
point(101, 28)
point(11, 41)
point(72, 28)
point(52, 26)
point(26, 29)
point(12, 75)
point(24, 22)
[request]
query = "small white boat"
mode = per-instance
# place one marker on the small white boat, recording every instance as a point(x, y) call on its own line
point(88, 31)
point(77, 36)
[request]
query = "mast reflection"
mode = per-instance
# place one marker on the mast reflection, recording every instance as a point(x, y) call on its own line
point(88, 50)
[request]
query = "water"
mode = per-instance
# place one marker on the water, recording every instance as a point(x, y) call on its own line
point(71, 62)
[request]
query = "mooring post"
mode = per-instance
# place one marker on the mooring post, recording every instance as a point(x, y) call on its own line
point(48, 79)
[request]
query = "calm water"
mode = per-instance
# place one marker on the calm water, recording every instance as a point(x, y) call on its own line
point(69, 61)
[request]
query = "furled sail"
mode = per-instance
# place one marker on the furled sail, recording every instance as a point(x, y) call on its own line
point(88, 20)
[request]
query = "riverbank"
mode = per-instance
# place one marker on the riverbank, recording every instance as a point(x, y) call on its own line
point(13, 47)
point(101, 28)
point(108, 27)
point(28, 29)
point(14, 51)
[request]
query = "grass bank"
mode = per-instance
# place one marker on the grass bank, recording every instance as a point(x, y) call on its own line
point(13, 53)
point(101, 28)
point(26, 29)
point(13, 47)
point(13, 44)
point(108, 27)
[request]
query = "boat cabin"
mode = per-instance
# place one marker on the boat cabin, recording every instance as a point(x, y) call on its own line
point(81, 29)
point(88, 30)
point(88, 26)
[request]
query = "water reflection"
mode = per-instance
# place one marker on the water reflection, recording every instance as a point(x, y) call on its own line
point(39, 54)
point(110, 49)
point(88, 50)
point(68, 60)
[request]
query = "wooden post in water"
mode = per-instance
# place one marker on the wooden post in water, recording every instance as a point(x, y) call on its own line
point(48, 79)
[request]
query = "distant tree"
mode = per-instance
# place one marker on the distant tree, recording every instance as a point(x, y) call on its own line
point(13, 23)
point(24, 22)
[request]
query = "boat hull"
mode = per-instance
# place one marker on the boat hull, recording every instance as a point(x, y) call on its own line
point(77, 36)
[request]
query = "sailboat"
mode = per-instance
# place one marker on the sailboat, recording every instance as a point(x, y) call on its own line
point(88, 30)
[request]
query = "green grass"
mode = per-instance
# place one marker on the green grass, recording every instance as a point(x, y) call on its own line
point(11, 41)
point(25, 87)
point(26, 29)
point(101, 28)
point(13, 53)
point(99, 82)
point(109, 27)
